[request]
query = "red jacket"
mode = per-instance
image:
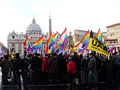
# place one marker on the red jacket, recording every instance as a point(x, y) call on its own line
point(44, 64)
point(71, 67)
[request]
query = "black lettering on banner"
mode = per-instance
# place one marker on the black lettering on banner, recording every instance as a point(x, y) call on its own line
point(94, 43)
point(99, 46)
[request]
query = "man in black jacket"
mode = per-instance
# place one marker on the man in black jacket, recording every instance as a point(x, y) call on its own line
point(19, 69)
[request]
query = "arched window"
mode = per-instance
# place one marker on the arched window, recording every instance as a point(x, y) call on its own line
point(13, 37)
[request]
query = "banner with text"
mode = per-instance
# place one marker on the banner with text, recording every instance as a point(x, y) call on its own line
point(96, 45)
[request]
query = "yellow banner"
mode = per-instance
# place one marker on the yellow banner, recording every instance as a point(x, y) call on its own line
point(96, 45)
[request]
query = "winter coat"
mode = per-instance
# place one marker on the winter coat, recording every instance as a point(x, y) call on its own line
point(6, 65)
point(71, 67)
point(92, 73)
point(53, 64)
point(77, 61)
point(19, 64)
point(44, 64)
point(36, 64)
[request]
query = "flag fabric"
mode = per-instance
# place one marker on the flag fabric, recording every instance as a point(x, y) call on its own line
point(103, 40)
point(26, 41)
point(37, 44)
point(53, 39)
point(65, 53)
point(72, 48)
point(52, 49)
point(98, 35)
point(58, 49)
point(86, 40)
point(28, 47)
point(111, 49)
point(47, 43)
point(63, 38)
point(1, 51)
point(34, 51)
point(85, 37)
point(81, 50)
point(96, 45)
point(70, 52)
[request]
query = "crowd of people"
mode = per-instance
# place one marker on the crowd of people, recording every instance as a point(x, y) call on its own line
point(36, 69)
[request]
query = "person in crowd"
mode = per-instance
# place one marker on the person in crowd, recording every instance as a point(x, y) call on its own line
point(36, 69)
point(62, 69)
point(52, 68)
point(116, 69)
point(92, 73)
point(28, 60)
point(71, 69)
point(45, 68)
point(109, 71)
point(6, 68)
point(77, 60)
point(84, 72)
point(19, 69)
point(100, 67)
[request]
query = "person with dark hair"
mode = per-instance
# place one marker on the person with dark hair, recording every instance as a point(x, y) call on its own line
point(92, 73)
point(19, 69)
point(6, 67)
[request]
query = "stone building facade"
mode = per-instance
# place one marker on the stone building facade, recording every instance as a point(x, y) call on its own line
point(113, 35)
point(15, 40)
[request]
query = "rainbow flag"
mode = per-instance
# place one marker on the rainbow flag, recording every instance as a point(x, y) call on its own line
point(63, 38)
point(86, 41)
point(47, 43)
point(71, 50)
point(28, 47)
point(53, 39)
point(98, 35)
point(58, 49)
point(37, 44)
point(81, 50)
point(85, 37)
point(52, 49)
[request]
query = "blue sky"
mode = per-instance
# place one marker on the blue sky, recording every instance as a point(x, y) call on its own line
point(74, 14)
